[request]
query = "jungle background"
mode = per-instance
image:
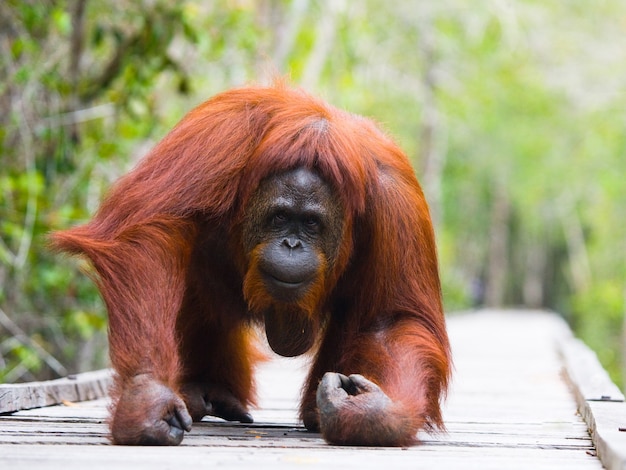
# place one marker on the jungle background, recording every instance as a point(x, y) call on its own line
point(512, 111)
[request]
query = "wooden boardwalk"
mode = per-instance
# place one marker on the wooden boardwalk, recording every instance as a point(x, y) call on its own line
point(511, 406)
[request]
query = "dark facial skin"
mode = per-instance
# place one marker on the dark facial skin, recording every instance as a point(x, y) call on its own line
point(295, 224)
point(297, 218)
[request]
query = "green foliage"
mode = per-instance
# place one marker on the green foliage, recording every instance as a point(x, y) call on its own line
point(77, 106)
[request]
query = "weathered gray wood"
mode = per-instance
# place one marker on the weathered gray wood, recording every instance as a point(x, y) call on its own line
point(600, 402)
point(584, 370)
point(509, 407)
point(87, 386)
point(607, 424)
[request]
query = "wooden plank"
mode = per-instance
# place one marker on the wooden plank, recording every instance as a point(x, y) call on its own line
point(583, 368)
point(509, 407)
point(87, 386)
point(106, 457)
point(600, 402)
point(607, 424)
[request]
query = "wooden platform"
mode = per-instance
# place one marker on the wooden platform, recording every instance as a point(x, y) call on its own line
point(511, 407)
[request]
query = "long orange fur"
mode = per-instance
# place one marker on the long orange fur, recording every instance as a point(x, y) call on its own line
point(381, 304)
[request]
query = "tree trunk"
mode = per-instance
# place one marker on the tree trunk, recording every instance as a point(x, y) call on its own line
point(535, 257)
point(431, 155)
point(325, 32)
point(580, 267)
point(76, 52)
point(498, 259)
